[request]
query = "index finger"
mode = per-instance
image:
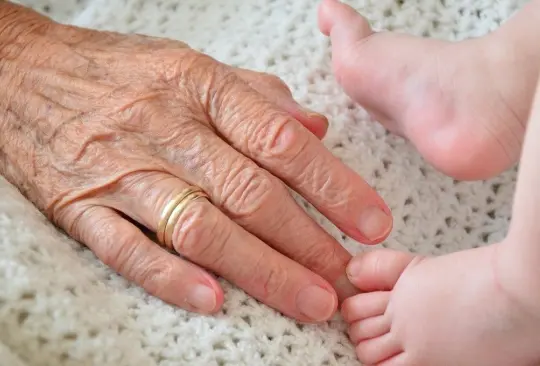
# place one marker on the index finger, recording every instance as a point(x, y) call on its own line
point(279, 143)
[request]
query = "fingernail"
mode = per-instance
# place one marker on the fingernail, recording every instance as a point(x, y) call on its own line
point(316, 303)
point(202, 298)
point(374, 223)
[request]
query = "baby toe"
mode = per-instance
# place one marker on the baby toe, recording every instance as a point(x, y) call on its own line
point(369, 328)
point(364, 306)
point(376, 350)
point(401, 359)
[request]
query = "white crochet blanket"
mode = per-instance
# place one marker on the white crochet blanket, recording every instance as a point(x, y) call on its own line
point(60, 306)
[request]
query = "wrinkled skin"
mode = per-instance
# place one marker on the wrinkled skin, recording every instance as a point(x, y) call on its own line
point(101, 130)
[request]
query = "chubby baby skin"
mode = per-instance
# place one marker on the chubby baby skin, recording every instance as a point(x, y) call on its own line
point(463, 105)
point(479, 307)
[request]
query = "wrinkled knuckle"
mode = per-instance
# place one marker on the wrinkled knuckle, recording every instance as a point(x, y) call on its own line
point(275, 282)
point(155, 275)
point(322, 258)
point(280, 139)
point(120, 247)
point(201, 232)
point(72, 218)
point(102, 232)
point(248, 191)
point(222, 89)
point(328, 183)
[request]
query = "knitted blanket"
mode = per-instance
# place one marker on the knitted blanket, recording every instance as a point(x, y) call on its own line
point(60, 306)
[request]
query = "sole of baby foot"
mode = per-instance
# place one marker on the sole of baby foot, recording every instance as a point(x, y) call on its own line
point(448, 310)
point(463, 105)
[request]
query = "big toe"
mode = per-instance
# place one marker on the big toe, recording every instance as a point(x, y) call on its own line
point(342, 23)
point(377, 270)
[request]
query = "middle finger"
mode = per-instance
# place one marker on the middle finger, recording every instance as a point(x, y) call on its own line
point(278, 142)
point(260, 203)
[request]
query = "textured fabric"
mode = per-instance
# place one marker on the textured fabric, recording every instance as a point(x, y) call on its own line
point(60, 306)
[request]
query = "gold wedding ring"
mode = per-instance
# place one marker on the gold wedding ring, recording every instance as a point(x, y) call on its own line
point(172, 211)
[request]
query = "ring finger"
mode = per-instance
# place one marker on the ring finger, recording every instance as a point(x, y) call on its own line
point(207, 237)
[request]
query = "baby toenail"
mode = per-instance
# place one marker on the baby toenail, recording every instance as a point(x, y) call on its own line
point(374, 223)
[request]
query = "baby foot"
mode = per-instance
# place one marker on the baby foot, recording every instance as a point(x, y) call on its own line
point(462, 309)
point(463, 105)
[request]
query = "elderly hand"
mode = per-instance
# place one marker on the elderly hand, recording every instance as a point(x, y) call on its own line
point(101, 131)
